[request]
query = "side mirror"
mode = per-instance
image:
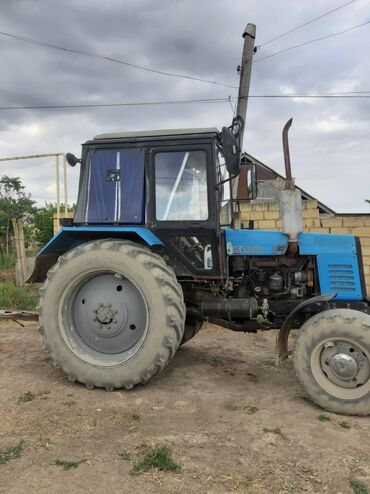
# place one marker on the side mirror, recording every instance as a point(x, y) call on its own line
point(72, 160)
point(231, 151)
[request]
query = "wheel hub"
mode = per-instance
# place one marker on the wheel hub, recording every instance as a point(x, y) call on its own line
point(105, 314)
point(344, 364)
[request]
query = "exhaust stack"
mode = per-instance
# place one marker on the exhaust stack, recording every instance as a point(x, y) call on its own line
point(290, 199)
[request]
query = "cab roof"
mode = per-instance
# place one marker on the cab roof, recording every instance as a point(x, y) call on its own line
point(157, 133)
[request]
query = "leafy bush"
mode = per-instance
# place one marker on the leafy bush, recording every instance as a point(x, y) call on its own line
point(18, 297)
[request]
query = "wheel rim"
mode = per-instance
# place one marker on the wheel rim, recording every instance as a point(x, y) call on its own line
point(342, 368)
point(103, 317)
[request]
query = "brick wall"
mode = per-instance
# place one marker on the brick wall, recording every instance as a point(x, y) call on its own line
point(266, 216)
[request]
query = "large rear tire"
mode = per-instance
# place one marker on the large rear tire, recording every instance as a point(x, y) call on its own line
point(332, 361)
point(111, 314)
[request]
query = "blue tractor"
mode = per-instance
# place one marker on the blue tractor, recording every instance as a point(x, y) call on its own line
point(156, 248)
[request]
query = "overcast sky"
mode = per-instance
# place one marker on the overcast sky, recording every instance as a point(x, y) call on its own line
point(330, 138)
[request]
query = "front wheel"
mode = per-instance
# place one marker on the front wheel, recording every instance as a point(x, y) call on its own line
point(332, 360)
point(111, 314)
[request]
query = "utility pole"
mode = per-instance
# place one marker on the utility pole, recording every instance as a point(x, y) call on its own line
point(249, 36)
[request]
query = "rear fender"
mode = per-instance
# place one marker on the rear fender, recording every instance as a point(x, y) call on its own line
point(70, 237)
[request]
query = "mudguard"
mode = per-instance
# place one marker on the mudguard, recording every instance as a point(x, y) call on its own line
point(70, 237)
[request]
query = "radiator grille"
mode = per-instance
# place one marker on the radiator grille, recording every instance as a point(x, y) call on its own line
point(341, 278)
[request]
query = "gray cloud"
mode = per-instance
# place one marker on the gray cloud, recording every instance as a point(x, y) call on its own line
point(330, 138)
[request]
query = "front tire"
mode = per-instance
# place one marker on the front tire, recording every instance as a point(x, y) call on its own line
point(111, 314)
point(332, 361)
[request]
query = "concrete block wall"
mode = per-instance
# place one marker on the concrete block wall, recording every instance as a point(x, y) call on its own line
point(266, 216)
point(56, 225)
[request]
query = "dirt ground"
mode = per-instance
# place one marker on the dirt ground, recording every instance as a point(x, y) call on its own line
point(214, 406)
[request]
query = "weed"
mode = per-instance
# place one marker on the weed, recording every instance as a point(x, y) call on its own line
point(244, 408)
point(68, 464)
point(125, 456)
point(156, 457)
point(18, 297)
point(359, 487)
point(26, 398)
point(324, 418)
point(11, 453)
point(232, 407)
point(275, 430)
point(344, 425)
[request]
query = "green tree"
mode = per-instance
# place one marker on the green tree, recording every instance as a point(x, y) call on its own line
point(42, 222)
point(14, 203)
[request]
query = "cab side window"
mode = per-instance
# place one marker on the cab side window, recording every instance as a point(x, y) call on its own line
point(181, 186)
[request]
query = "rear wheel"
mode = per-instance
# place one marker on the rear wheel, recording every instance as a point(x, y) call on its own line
point(332, 360)
point(111, 314)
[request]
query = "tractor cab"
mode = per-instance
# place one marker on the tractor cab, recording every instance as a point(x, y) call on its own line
point(174, 182)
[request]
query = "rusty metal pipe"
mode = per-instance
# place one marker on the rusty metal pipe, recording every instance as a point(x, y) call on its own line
point(289, 183)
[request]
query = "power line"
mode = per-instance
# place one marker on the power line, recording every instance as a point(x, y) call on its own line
point(107, 105)
point(115, 60)
point(363, 95)
point(311, 41)
point(306, 23)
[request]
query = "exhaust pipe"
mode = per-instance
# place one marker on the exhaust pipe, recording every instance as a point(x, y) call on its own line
point(290, 199)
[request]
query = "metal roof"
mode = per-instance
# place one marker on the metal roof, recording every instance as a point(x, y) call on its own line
point(157, 133)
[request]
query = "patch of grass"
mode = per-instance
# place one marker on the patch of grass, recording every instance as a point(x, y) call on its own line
point(11, 453)
point(26, 398)
point(359, 487)
point(18, 297)
point(275, 430)
point(8, 262)
point(67, 465)
point(344, 425)
point(156, 457)
point(324, 418)
point(125, 456)
point(232, 407)
point(251, 409)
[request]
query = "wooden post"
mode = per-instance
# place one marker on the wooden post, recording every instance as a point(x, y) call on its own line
point(20, 249)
